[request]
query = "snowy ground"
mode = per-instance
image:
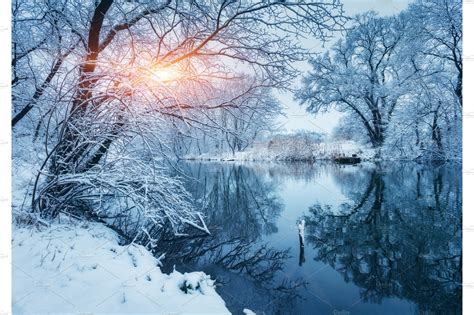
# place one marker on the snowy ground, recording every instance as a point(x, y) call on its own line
point(81, 269)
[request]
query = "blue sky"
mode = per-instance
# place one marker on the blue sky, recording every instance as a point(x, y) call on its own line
point(297, 118)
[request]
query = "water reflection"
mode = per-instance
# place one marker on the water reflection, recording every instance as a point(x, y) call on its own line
point(393, 232)
point(241, 206)
point(399, 237)
point(235, 199)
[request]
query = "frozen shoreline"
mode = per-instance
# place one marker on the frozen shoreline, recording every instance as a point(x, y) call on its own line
point(82, 269)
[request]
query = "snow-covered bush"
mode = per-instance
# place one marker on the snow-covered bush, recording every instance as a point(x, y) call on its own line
point(128, 195)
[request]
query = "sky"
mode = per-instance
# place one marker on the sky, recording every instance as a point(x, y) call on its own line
point(296, 117)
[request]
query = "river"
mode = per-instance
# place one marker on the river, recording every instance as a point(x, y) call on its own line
point(379, 238)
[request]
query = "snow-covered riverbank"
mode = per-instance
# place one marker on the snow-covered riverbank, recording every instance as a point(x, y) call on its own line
point(289, 152)
point(81, 269)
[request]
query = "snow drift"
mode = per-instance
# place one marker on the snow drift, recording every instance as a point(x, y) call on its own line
point(79, 269)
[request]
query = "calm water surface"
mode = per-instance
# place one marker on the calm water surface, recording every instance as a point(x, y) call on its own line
point(379, 239)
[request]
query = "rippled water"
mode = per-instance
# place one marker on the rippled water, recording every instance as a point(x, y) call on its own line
point(379, 239)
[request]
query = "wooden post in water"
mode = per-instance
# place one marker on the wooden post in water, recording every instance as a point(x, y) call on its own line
point(301, 237)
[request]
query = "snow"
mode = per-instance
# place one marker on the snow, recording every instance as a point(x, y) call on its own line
point(72, 269)
point(290, 152)
point(301, 231)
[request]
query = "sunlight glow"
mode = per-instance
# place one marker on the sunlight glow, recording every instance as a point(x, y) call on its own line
point(164, 75)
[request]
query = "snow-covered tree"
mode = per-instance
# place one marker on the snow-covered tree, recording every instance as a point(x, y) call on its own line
point(362, 74)
point(437, 25)
point(231, 128)
point(428, 125)
point(398, 78)
point(103, 83)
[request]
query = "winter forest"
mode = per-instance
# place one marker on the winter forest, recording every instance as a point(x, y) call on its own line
point(152, 172)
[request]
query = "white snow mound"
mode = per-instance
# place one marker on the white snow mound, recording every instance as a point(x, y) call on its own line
point(82, 270)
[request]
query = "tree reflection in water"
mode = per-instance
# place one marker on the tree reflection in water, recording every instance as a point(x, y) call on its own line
point(399, 237)
point(240, 206)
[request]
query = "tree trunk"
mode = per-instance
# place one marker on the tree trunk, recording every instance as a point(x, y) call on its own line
point(459, 88)
point(436, 132)
point(71, 148)
point(74, 153)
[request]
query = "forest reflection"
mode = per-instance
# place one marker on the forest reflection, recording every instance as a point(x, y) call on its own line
point(241, 205)
point(396, 235)
point(399, 237)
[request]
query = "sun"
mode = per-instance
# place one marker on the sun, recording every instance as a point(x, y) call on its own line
point(154, 76)
point(164, 75)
